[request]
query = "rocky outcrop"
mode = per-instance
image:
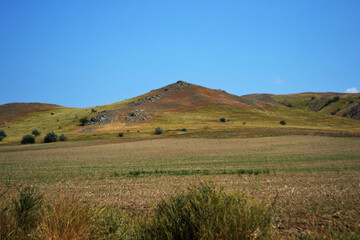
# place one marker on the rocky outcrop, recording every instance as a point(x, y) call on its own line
point(102, 118)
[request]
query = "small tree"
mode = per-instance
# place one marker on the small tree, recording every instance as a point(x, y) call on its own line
point(282, 122)
point(223, 119)
point(2, 133)
point(28, 139)
point(121, 134)
point(50, 137)
point(35, 132)
point(158, 131)
point(62, 137)
point(83, 121)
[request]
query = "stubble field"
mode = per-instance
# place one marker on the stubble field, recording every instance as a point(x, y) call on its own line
point(312, 181)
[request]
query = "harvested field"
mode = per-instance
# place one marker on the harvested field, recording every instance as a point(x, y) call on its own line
point(311, 180)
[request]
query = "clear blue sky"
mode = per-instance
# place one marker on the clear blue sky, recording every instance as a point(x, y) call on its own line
point(88, 53)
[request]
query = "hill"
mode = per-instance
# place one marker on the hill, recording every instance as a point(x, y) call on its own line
point(196, 108)
point(339, 104)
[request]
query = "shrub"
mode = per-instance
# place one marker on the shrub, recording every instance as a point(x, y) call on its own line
point(28, 139)
point(184, 129)
point(35, 132)
point(244, 123)
point(66, 219)
point(223, 119)
point(289, 105)
point(282, 122)
point(208, 212)
point(1, 138)
point(27, 208)
point(121, 134)
point(158, 130)
point(50, 137)
point(93, 110)
point(62, 137)
point(2, 133)
point(83, 121)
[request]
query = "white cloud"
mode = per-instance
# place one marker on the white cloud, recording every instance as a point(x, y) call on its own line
point(352, 90)
point(278, 81)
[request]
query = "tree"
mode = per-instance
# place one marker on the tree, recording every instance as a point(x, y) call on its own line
point(158, 131)
point(28, 139)
point(50, 137)
point(35, 132)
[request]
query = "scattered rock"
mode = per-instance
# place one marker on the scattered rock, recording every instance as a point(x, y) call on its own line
point(129, 119)
point(101, 118)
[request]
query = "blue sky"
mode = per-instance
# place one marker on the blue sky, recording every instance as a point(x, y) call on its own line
point(88, 53)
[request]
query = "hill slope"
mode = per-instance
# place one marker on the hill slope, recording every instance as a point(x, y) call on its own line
point(184, 105)
point(339, 104)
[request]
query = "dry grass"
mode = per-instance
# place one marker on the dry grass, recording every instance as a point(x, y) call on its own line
point(315, 180)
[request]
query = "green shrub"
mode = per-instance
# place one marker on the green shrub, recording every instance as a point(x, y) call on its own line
point(184, 129)
point(158, 131)
point(83, 121)
point(223, 119)
point(93, 110)
point(35, 132)
point(27, 208)
point(112, 223)
point(244, 123)
point(282, 122)
point(50, 137)
point(62, 137)
point(121, 134)
point(28, 139)
point(2, 135)
point(207, 212)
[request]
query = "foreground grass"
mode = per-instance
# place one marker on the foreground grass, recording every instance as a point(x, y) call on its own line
point(315, 180)
point(203, 211)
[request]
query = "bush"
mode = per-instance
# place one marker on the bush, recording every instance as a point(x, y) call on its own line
point(50, 137)
point(62, 137)
point(28, 139)
point(27, 208)
point(93, 110)
point(121, 134)
point(223, 119)
point(35, 132)
point(282, 122)
point(83, 121)
point(2, 135)
point(244, 123)
point(184, 129)
point(208, 212)
point(158, 130)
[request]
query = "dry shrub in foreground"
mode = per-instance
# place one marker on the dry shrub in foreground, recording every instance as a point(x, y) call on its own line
point(206, 211)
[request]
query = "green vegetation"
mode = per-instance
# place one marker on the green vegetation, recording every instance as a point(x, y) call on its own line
point(121, 134)
point(50, 137)
point(2, 135)
point(83, 121)
point(62, 137)
point(205, 211)
point(158, 131)
point(184, 129)
point(223, 119)
point(194, 172)
point(36, 132)
point(282, 122)
point(28, 139)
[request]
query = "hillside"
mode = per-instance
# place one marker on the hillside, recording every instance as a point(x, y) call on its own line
point(196, 108)
point(339, 104)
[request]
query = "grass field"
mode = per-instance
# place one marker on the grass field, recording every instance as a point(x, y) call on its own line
point(314, 180)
